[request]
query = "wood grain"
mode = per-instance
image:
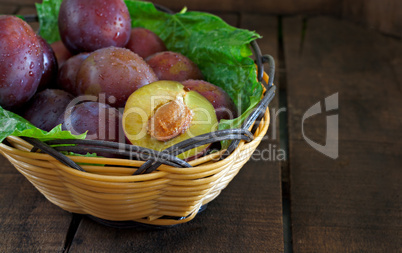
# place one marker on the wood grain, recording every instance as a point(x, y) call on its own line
point(384, 16)
point(28, 221)
point(7, 8)
point(359, 64)
point(353, 203)
point(29, 11)
point(20, 2)
point(267, 7)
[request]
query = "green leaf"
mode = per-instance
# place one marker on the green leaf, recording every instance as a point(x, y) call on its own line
point(13, 124)
point(48, 13)
point(20, 16)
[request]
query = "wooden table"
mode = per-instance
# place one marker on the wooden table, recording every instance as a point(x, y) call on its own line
point(308, 202)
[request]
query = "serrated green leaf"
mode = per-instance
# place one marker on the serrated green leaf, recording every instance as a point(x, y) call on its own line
point(13, 124)
point(48, 14)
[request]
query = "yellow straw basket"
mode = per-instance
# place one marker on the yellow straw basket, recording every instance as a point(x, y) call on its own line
point(121, 191)
point(167, 196)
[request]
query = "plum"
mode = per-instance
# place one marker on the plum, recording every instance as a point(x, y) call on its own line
point(102, 121)
point(223, 104)
point(50, 66)
point(144, 42)
point(173, 66)
point(164, 113)
point(115, 73)
point(61, 52)
point(86, 26)
point(67, 77)
point(45, 108)
point(21, 62)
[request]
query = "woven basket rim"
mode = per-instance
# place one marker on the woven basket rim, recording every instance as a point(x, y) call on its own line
point(204, 188)
point(23, 149)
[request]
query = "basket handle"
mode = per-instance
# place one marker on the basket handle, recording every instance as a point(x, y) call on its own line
point(37, 144)
point(121, 149)
point(216, 136)
point(154, 158)
point(236, 135)
point(258, 112)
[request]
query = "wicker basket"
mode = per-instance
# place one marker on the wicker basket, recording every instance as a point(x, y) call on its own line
point(116, 191)
point(113, 193)
point(167, 196)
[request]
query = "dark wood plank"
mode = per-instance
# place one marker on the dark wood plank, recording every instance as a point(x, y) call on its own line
point(230, 18)
point(360, 64)
point(349, 205)
point(267, 7)
point(21, 2)
point(29, 11)
point(353, 203)
point(7, 8)
point(28, 221)
point(384, 16)
point(246, 216)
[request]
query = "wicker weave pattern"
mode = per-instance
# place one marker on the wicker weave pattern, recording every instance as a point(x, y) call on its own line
point(110, 191)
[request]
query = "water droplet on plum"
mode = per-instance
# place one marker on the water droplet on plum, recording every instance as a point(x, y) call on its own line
point(99, 13)
point(116, 36)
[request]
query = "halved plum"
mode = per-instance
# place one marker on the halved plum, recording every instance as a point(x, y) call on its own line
point(164, 113)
